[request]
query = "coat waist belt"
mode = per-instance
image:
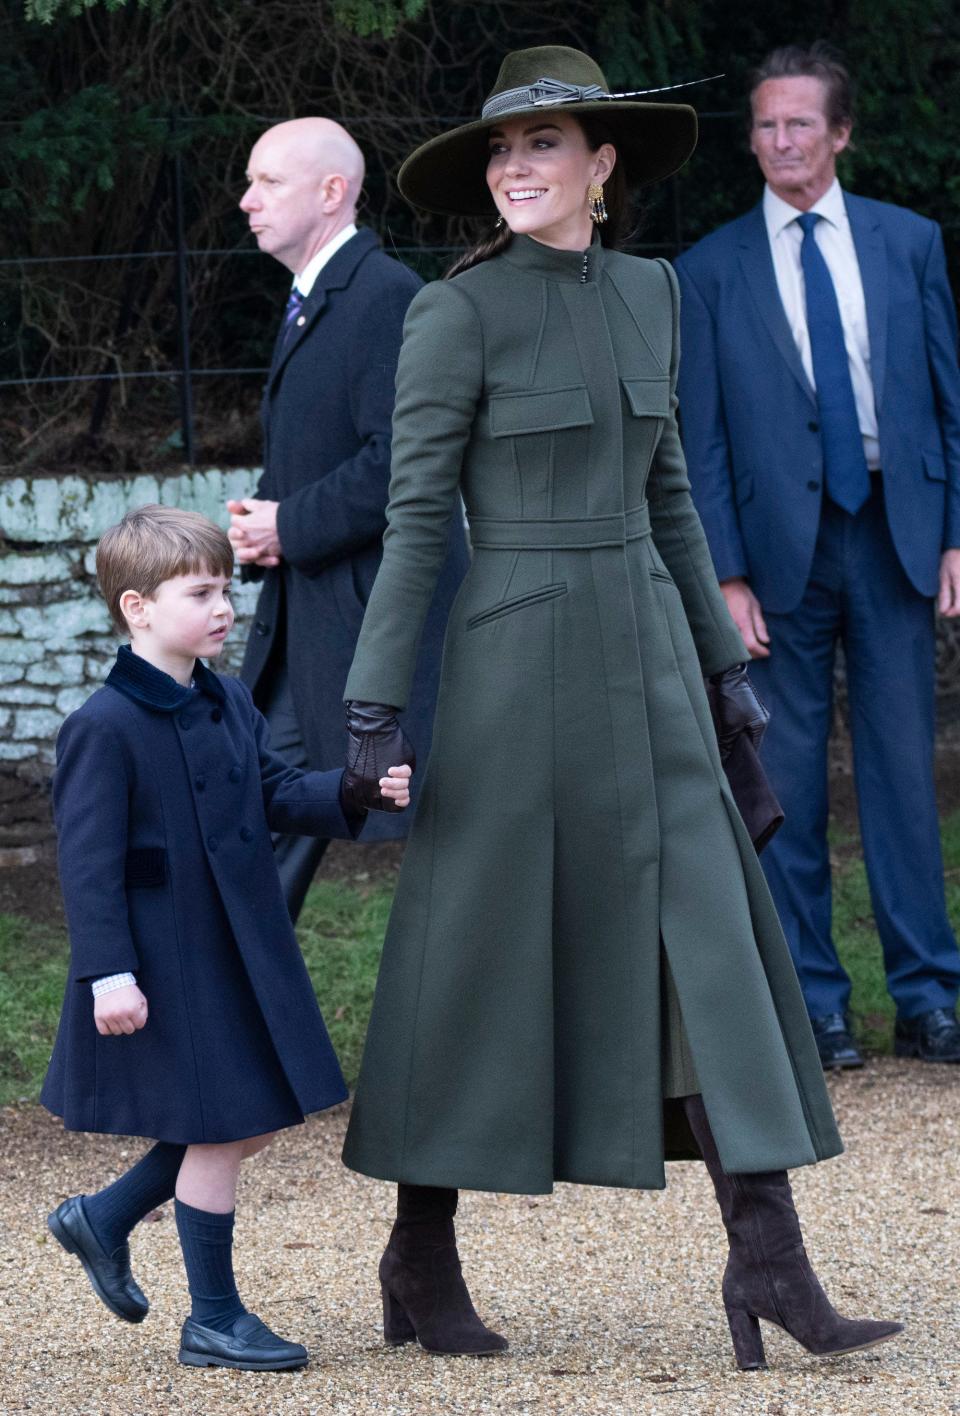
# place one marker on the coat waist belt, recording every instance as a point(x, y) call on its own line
point(587, 533)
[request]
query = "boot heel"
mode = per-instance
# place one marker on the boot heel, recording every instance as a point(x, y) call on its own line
point(747, 1341)
point(397, 1327)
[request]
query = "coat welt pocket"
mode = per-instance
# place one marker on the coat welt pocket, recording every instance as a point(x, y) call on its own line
point(543, 411)
point(664, 576)
point(146, 865)
point(518, 602)
point(648, 397)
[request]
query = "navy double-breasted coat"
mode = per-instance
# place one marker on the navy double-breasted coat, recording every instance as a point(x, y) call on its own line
point(164, 798)
point(326, 459)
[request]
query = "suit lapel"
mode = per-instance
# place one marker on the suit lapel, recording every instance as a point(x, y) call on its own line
point(872, 259)
point(756, 262)
point(337, 273)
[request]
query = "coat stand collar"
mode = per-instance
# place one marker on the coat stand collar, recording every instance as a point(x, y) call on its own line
point(553, 264)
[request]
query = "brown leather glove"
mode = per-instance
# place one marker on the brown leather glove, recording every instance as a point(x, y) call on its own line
point(376, 741)
point(736, 709)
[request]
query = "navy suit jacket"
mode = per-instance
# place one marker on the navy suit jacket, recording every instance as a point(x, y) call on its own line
point(327, 414)
point(749, 414)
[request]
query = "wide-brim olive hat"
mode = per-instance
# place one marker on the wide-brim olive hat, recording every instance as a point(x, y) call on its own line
point(447, 174)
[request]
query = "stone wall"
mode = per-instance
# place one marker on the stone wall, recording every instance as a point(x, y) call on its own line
point(56, 639)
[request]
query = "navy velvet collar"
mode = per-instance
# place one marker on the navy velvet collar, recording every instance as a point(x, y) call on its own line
point(140, 681)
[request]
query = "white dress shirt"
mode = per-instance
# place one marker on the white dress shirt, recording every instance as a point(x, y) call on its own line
point(835, 241)
point(304, 281)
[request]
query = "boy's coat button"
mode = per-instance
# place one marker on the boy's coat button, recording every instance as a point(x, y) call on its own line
point(235, 774)
point(261, 628)
point(246, 834)
point(216, 715)
point(212, 842)
point(200, 784)
point(184, 721)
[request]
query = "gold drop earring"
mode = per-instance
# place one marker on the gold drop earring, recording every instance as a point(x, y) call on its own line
point(598, 207)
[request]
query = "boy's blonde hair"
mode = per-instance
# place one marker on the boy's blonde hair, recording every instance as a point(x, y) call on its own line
point(153, 544)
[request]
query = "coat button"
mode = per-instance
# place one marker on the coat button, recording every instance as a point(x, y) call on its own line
point(814, 427)
point(261, 628)
point(813, 486)
point(235, 774)
point(212, 843)
point(184, 721)
point(216, 715)
point(246, 834)
point(201, 784)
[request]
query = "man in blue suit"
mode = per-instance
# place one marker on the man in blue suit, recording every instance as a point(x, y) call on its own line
point(820, 405)
point(313, 529)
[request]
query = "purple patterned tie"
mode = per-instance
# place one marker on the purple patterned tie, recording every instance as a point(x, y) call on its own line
point(294, 305)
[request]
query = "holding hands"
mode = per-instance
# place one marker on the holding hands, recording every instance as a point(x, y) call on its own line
point(376, 739)
point(122, 1010)
point(395, 787)
point(253, 531)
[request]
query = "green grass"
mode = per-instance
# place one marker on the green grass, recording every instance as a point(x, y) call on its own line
point(33, 966)
point(341, 930)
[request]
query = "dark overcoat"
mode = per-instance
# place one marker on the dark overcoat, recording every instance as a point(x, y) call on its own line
point(327, 409)
point(581, 926)
point(164, 799)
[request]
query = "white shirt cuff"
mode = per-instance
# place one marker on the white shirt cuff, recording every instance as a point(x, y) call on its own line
point(110, 982)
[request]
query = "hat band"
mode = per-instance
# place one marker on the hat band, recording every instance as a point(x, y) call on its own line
point(546, 92)
point(541, 94)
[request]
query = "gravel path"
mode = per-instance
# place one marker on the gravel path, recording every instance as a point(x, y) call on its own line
point(610, 1298)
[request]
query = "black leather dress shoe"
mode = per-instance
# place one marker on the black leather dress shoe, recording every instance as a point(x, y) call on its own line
point(109, 1274)
point(834, 1042)
point(249, 1345)
point(933, 1036)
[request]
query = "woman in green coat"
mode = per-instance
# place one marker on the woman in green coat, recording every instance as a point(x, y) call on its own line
point(583, 973)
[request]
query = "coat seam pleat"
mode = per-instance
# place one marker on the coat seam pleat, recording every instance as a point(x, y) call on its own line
point(623, 884)
point(423, 959)
point(544, 306)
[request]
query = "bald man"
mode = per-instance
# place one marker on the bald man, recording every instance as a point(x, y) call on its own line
point(312, 530)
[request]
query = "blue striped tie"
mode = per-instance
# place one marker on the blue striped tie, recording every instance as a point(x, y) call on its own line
point(844, 465)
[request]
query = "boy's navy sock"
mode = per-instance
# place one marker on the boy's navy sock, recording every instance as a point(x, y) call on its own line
point(114, 1211)
point(207, 1243)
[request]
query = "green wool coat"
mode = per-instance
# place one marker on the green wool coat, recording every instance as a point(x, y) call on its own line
point(575, 832)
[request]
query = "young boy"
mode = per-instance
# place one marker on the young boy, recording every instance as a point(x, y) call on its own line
point(189, 1016)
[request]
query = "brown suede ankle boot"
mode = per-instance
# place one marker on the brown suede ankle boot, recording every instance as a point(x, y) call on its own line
point(768, 1274)
point(424, 1295)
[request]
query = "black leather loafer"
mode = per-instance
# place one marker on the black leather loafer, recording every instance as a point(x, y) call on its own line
point(932, 1037)
point(835, 1045)
point(109, 1274)
point(249, 1345)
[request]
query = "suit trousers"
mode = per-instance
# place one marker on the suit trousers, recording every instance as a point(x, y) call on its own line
point(858, 596)
point(297, 857)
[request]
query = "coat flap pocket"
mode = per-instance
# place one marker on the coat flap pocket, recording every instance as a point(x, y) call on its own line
point(648, 397)
point(146, 865)
point(544, 411)
point(743, 490)
point(934, 466)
